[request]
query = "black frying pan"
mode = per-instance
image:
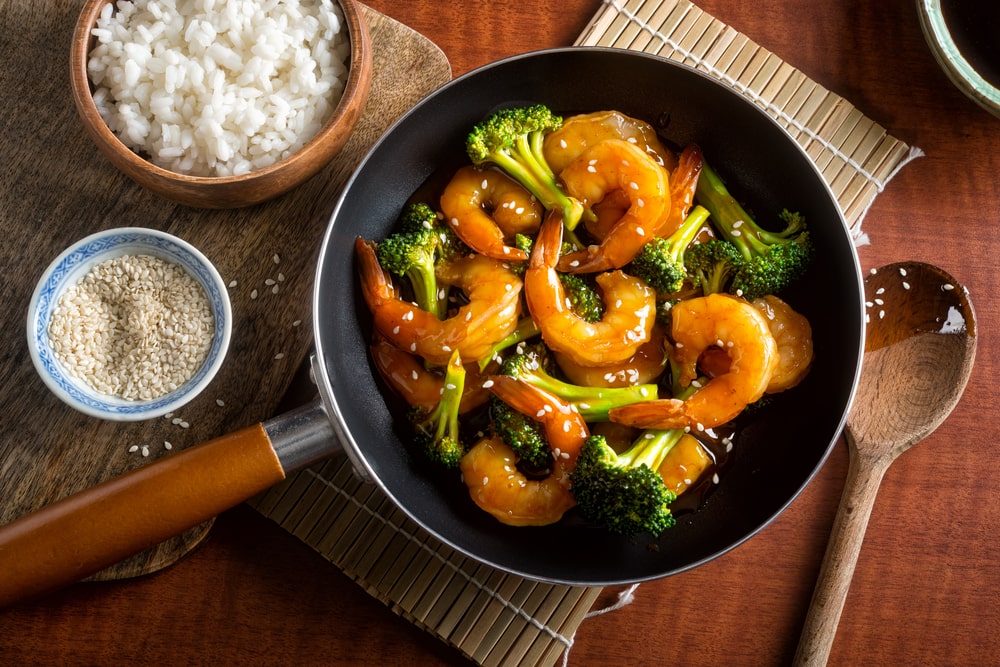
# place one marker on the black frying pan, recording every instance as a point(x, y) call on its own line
point(777, 451)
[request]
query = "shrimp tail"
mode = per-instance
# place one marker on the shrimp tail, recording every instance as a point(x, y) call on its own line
point(665, 414)
point(376, 285)
point(548, 243)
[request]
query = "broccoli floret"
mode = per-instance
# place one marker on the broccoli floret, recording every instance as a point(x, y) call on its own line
point(771, 260)
point(711, 264)
point(436, 432)
point(413, 250)
point(593, 403)
point(513, 139)
point(522, 434)
point(625, 492)
point(583, 296)
point(661, 262)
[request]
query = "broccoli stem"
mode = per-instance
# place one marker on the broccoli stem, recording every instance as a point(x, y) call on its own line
point(593, 403)
point(526, 329)
point(650, 448)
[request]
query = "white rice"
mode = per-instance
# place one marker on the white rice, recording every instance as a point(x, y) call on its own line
point(218, 87)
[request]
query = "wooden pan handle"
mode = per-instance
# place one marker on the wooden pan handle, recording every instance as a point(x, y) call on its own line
point(84, 533)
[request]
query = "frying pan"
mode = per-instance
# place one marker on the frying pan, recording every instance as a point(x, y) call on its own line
point(777, 451)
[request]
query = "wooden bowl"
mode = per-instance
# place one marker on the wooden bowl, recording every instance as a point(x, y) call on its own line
point(227, 191)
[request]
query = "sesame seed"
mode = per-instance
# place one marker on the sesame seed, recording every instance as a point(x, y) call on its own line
point(135, 326)
point(280, 355)
point(221, 403)
point(276, 259)
point(253, 294)
point(232, 283)
point(167, 445)
point(488, 384)
point(133, 449)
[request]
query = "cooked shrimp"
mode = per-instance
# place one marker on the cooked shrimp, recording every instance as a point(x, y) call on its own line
point(700, 324)
point(684, 464)
point(683, 184)
point(646, 365)
point(489, 470)
point(494, 304)
point(485, 207)
point(606, 167)
point(564, 427)
point(581, 131)
point(793, 334)
point(418, 386)
point(629, 314)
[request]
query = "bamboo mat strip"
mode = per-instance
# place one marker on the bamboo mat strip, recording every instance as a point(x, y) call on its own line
point(491, 617)
point(855, 155)
point(496, 619)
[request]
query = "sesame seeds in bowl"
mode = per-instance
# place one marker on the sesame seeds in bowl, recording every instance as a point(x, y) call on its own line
point(129, 324)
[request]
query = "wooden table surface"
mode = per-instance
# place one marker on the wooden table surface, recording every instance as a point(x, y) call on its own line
point(925, 591)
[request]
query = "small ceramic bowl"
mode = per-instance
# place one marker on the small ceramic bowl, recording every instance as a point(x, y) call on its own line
point(70, 267)
point(962, 38)
point(227, 191)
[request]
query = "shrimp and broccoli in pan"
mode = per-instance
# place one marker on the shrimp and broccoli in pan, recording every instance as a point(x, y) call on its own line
point(601, 301)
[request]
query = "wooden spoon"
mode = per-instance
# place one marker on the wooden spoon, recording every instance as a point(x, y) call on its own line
point(919, 350)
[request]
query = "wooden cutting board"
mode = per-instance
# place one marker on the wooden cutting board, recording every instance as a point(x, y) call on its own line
point(57, 188)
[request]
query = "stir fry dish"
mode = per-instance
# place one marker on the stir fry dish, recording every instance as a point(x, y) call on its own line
point(579, 318)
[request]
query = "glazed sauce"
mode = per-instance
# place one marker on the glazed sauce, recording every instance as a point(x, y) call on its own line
point(975, 27)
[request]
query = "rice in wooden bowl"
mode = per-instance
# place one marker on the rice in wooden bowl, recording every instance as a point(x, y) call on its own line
point(220, 105)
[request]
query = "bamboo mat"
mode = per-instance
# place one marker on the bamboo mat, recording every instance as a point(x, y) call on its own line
point(499, 619)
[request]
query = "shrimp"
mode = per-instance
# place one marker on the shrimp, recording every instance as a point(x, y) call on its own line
point(700, 324)
point(584, 130)
point(629, 314)
point(603, 168)
point(646, 365)
point(564, 426)
point(494, 304)
point(489, 469)
point(683, 185)
point(793, 334)
point(417, 385)
point(485, 206)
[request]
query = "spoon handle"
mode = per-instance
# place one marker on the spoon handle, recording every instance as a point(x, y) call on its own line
point(864, 476)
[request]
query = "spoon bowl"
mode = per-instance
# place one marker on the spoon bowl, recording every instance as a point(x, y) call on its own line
point(920, 347)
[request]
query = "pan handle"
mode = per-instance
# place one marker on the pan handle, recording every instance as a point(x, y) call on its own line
point(93, 529)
